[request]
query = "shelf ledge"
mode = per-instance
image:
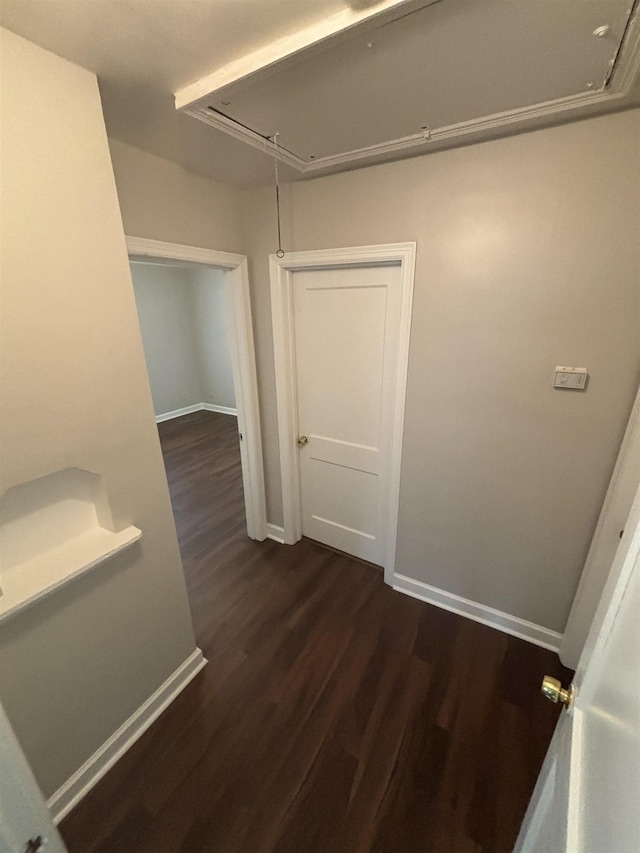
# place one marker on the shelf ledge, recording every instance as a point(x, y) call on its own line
point(29, 582)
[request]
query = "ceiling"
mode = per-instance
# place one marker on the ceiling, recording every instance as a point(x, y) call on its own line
point(378, 78)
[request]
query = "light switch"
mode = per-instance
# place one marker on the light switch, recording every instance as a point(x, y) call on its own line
point(574, 378)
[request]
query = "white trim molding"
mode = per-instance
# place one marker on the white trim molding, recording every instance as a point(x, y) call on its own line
point(178, 413)
point(536, 634)
point(243, 361)
point(197, 407)
point(275, 532)
point(281, 274)
point(84, 779)
point(221, 410)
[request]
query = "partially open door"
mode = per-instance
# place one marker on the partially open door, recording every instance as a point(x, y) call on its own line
point(25, 823)
point(588, 793)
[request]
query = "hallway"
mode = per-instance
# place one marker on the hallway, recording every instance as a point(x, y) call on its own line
point(334, 714)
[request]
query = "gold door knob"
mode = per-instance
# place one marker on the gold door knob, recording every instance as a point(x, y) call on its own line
point(555, 692)
point(302, 440)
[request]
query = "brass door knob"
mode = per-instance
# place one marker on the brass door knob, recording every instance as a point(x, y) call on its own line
point(555, 692)
point(302, 440)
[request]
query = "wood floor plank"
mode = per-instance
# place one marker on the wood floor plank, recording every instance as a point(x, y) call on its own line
point(335, 715)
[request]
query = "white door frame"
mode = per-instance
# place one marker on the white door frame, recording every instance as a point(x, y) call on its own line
point(281, 274)
point(243, 361)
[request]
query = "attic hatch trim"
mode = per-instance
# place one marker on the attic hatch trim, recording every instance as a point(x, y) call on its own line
point(515, 119)
point(305, 42)
point(609, 96)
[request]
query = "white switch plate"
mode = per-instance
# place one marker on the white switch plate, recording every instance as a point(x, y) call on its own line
point(574, 378)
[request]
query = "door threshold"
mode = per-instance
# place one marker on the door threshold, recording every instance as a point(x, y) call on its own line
point(344, 554)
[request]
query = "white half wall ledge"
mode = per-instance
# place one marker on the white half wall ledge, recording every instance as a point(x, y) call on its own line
point(505, 622)
point(89, 774)
point(178, 413)
point(52, 530)
point(30, 582)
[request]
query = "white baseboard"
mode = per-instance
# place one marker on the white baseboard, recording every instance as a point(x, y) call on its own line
point(178, 413)
point(83, 780)
point(224, 410)
point(275, 532)
point(197, 407)
point(513, 625)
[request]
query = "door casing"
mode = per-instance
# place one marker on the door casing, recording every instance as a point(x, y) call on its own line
point(243, 361)
point(281, 275)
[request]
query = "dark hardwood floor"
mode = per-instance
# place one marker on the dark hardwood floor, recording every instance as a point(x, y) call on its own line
point(335, 715)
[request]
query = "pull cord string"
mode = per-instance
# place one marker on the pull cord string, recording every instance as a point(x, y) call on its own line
point(280, 252)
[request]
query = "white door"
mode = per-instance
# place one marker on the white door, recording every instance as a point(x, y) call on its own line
point(615, 509)
point(587, 798)
point(25, 822)
point(346, 331)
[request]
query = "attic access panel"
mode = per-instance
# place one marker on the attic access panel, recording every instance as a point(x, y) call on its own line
point(438, 70)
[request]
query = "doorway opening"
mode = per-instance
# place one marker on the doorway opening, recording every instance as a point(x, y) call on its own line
point(207, 362)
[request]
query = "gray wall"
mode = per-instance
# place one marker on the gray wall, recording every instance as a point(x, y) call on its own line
point(528, 257)
point(183, 322)
point(211, 337)
point(164, 303)
point(76, 665)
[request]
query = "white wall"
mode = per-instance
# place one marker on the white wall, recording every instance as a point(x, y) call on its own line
point(74, 391)
point(528, 257)
point(164, 302)
point(183, 322)
point(211, 337)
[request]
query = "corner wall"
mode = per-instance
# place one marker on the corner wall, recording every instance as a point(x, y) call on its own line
point(212, 337)
point(164, 304)
point(527, 257)
point(77, 664)
point(183, 321)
